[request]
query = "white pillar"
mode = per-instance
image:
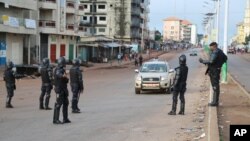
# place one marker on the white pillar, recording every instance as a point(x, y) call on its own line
point(217, 20)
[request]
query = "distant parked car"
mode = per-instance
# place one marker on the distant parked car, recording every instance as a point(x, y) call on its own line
point(231, 51)
point(154, 75)
point(193, 53)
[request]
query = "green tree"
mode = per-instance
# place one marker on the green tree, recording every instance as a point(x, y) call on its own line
point(247, 39)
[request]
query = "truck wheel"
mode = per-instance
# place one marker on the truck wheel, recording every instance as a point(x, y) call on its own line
point(137, 91)
point(168, 91)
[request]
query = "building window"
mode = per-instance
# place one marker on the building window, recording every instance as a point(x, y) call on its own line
point(101, 6)
point(102, 18)
point(172, 27)
point(172, 32)
point(101, 29)
point(84, 18)
point(85, 6)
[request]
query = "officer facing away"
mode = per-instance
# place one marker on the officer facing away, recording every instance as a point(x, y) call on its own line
point(217, 59)
point(62, 93)
point(180, 85)
point(10, 83)
point(47, 78)
point(76, 83)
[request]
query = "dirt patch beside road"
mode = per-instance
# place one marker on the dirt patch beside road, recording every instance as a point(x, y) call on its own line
point(234, 108)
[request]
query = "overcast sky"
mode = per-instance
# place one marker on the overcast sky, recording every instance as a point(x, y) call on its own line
point(193, 11)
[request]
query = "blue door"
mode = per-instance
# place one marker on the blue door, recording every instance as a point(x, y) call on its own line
point(2, 53)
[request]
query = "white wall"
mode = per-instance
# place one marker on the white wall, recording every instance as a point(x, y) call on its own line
point(14, 48)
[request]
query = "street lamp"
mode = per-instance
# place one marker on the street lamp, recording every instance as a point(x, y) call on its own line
point(224, 67)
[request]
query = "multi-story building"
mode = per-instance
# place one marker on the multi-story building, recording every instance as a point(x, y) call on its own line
point(243, 28)
point(17, 31)
point(59, 28)
point(123, 20)
point(172, 29)
point(179, 30)
point(240, 38)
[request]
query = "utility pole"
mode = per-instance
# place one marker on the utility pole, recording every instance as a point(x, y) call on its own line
point(224, 67)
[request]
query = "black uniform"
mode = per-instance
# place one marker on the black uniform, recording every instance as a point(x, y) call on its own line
point(76, 83)
point(214, 68)
point(47, 78)
point(180, 86)
point(62, 93)
point(140, 60)
point(10, 83)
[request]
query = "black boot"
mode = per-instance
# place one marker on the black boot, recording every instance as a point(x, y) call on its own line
point(56, 115)
point(182, 110)
point(41, 103)
point(47, 103)
point(77, 106)
point(74, 107)
point(65, 114)
point(173, 111)
point(8, 102)
point(214, 101)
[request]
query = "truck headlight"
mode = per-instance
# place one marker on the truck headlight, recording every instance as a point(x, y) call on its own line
point(163, 78)
point(138, 78)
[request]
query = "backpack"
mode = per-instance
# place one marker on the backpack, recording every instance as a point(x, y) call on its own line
point(222, 58)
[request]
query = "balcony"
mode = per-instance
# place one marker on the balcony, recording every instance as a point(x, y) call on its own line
point(70, 26)
point(81, 10)
point(17, 25)
point(26, 4)
point(135, 12)
point(47, 26)
point(47, 4)
point(136, 1)
point(70, 7)
point(143, 5)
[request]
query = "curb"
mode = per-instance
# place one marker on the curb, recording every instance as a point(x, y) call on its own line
point(213, 128)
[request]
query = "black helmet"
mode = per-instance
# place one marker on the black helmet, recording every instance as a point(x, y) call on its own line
point(46, 62)
point(61, 62)
point(76, 62)
point(10, 65)
point(182, 59)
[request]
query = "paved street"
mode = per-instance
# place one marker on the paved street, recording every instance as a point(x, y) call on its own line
point(111, 111)
point(238, 67)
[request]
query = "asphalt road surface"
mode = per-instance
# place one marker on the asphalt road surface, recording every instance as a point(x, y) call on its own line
point(111, 111)
point(239, 69)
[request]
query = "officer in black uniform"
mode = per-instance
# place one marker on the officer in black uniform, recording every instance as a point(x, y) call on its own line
point(76, 83)
point(10, 83)
point(62, 93)
point(180, 86)
point(214, 68)
point(47, 78)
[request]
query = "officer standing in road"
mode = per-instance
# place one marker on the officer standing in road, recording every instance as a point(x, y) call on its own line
point(180, 86)
point(76, 83)
point(47, 79)
point(61, 81)
point(217, 59)
point(10, 83)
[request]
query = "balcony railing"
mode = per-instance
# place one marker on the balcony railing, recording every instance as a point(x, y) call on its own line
point(81, 28)
point(52, 1)
point(81, 7)
point(70, 4)
point(45, 23)
point(70, 26)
